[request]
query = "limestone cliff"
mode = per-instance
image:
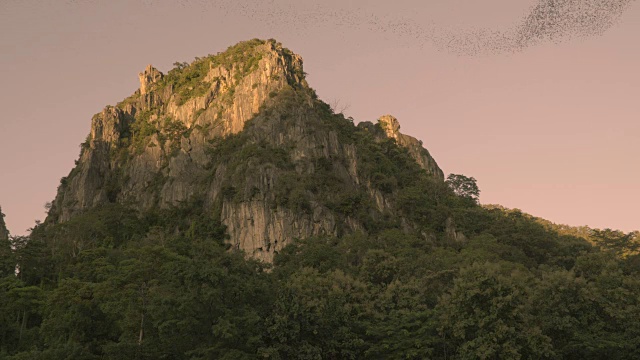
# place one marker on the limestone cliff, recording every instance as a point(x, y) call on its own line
point(243, 135)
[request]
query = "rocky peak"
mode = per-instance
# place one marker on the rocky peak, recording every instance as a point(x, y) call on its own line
point(148, 77)
point(227, 88)
point(187, 136)
point(166, 125)
point(391, 127)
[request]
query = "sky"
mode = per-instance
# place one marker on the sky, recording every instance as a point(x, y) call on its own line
point(551, 128)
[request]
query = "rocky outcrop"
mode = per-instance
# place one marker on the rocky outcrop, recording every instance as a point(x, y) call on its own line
point(455, 237)
point(391, 128)
point(388, 127)
point(243, 134)
point(148, 77)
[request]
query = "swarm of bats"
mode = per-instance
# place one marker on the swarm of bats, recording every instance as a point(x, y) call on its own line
point(546, 21)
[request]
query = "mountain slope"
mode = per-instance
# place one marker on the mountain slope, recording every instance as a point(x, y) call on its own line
point(243, 134)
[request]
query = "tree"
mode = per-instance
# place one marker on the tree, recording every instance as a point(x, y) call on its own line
point(486, 315)
point(7, 261)
point(464, 186)
point(316, 316)
point(617, 241)
point(338, 106)
point(7, 257)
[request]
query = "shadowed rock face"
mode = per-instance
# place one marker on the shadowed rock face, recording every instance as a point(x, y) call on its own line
point(186, 136)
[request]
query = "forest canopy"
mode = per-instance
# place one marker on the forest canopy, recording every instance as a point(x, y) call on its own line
point(114, 283)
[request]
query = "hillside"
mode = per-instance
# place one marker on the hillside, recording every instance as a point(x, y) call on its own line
point(223, 211)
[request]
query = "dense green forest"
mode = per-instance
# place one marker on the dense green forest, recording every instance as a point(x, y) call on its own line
point(113, 283)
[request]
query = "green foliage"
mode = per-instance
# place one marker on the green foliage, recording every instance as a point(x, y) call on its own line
point(141, 130)
point(7, 261)
point(113, 283)
point(622, 244)
point(485, 315)
point(187, 80)
point(315, 316)
point(114, 268)
point(464, 186)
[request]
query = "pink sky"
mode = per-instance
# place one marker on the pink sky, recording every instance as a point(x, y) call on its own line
point(553, 130)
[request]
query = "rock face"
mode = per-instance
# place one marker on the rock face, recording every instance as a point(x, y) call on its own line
point(239, 133)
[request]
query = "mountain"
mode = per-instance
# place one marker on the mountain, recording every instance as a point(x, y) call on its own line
point(223, 211)
point(242, 133)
